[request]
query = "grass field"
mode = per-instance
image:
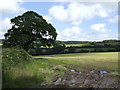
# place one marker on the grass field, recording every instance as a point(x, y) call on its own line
point(44, 67)
point(108, 60)
point(68, 45)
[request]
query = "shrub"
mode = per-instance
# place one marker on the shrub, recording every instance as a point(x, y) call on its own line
point(14, 56)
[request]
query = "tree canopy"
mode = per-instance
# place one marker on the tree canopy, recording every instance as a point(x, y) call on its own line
point(27, 28)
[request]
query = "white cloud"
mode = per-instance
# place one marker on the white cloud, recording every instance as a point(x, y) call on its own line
point(84, 0)
point(47, 18)
point(75, 13)
point(73, 33)
point(100, 31)
point(11, 6)
point(100, 28)
point(114, 19)
point(100, 37)
point(59, 13)
point(103, 36)
point(4, 26)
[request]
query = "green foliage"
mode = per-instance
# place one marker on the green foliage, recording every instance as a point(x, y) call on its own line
point(27, 28)
point(116, 74)
point(14, 56)
point(31, 75)
point(72, 49)
point(59, 47)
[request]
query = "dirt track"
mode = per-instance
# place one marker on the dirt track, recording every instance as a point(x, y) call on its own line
point(86, 79)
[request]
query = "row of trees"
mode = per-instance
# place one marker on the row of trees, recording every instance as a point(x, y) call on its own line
point(96, 46)
point(59, 47)
point(62, 50)
point(88, 47)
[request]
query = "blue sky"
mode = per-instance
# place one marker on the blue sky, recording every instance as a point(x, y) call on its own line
point(90, 21)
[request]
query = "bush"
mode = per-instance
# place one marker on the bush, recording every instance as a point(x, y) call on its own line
point(14, 56)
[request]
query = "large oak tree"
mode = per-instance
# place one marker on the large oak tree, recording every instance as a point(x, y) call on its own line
point(27, 28)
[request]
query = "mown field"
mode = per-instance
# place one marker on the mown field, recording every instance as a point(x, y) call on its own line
point(108, 60)
point(41, 71)
point(68, 45)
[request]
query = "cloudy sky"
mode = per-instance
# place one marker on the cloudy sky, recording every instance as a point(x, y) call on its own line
point(77, 21)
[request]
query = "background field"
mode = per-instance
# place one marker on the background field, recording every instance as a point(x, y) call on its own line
point(108, 60)
point(68, 45)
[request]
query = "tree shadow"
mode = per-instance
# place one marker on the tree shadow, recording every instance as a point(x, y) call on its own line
point(22, 82)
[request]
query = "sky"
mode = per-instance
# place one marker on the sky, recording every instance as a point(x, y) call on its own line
point(73, 21)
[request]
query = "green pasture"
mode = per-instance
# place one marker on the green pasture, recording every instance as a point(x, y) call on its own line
point(68, 45)
point(107, 60)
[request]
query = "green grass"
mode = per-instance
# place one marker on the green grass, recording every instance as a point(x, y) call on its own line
point(116, 74)
point(108, 60)
point(21, 71)
point(40, 72)
point(36, 74)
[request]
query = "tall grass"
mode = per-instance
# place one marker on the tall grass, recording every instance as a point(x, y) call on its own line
point(19, 72)
point(36, 74)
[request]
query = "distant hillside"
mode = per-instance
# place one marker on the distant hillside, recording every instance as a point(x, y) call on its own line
point(81, 42)
point(74, 42)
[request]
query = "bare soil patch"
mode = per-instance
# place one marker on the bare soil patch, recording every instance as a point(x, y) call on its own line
point(86, 79)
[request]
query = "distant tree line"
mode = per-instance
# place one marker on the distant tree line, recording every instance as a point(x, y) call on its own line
point(60, 48)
